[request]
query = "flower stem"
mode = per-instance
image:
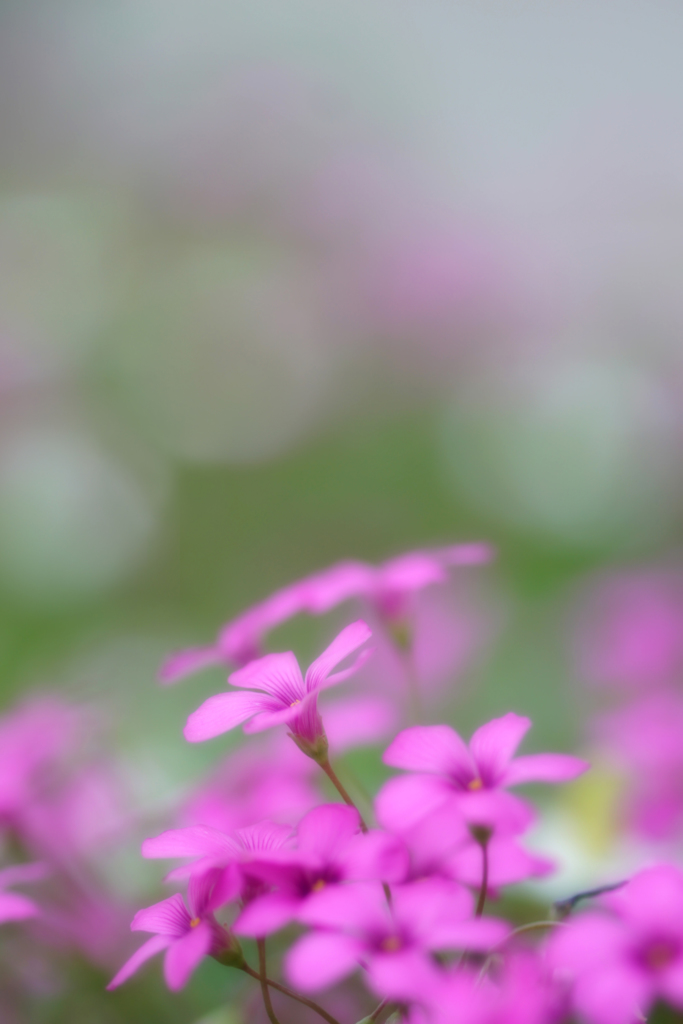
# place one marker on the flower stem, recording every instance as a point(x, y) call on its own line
point(292, 995)
point(484, 879)
point(332, 776)
point(261, 946)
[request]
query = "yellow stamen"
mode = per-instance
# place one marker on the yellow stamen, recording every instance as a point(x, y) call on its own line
point(475, 784)
point(195, 921)
point(294, 703)
point(317, 886)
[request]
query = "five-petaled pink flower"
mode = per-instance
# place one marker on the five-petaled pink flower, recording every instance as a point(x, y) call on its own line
point(475, 776)
point(186, 936)
point(275, 692)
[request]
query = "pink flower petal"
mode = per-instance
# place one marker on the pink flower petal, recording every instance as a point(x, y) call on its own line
point(405, 975)
point(18, 873)
point(169, 917)
point(184, 955)
point(344, 644)
point(468, 554)
point(360, 908)
point(321, 959)
point(283, 716)
point(431, 748)
point(146, 950)
point(324, 829)
point(187, 662)
point(223, 712)
point(376, 854)
point(410, 572)
point(277, 674)
point(14, 907)
point(195, 841)
point(327, 589)
point(494, 744)
point(544, 768)
point(403, 802)
point(266, 914)
point(357, 721)
point(481, 933)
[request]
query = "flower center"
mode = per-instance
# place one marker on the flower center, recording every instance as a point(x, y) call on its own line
point(659, 955)
point(294, 703)
point(391, 944)
point(195, 921)
point(317, 886)
point(475, 784)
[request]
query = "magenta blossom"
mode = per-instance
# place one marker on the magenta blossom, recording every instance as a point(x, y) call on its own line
point(186, 936)
point(330, 850)
point(275, 692)
point(473, 776)
point(385, 587)
point(390, 942)
point(621, 963)
point(14, 906)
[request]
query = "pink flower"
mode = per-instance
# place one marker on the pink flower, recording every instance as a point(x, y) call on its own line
point(630, 632)
point(330, 850)
point(275, 692)
point(621, 963)
point(385, 587)
point(390, 942)
point(473, 776)
point(13, 906)
point(186, 936)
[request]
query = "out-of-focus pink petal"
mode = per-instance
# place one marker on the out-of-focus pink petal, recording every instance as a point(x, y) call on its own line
point(405, 975)
point(508, 863)
point(321, 959)
point(653, 898)
point(431, 748)
point(18, 873)
point(356, 908)
point(403, 802)
point(184, 955)
point(589, 942)
point(169, 917)
point(146, 950)
point(264, 836)
point(266, 914)
point(544, 768)
point(494, 744)
point(376, 854)
point(15, 907)
point(223, 712)
point(327, 589)
point(412, 571)
point(344, 644)
point(359, 720)
point(480, 933)
point(324, 829)
point(502, 812)
point(613, 995)
point(276, 674)
point(671, 982)
point(475, 553)
point(187, 662)
point(421, 905)
point(194, 841)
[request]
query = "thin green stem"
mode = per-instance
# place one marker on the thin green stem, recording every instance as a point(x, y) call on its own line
point(377, 1012)
point(484, 879)
point(332, 776)
point(263, 979)
point(292, 995)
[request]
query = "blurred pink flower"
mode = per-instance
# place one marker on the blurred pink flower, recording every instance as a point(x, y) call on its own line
point(620, 963)
point(390, 942)
point(386, 588)
point(285, 696)
point(630, 630)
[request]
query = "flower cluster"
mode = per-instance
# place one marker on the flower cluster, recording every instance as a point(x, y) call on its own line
point(348, 905)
